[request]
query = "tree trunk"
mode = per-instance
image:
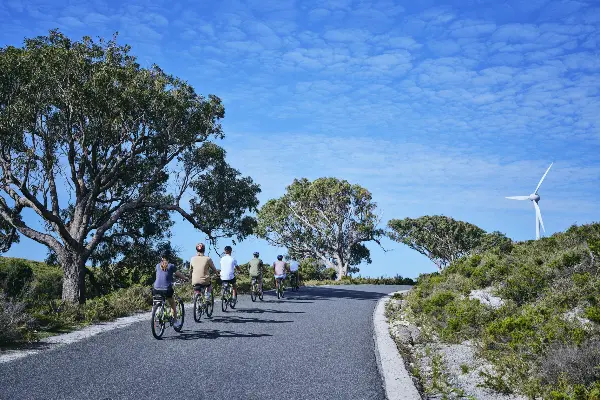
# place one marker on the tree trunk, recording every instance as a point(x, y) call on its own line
point(74, 277)
point(342, 269)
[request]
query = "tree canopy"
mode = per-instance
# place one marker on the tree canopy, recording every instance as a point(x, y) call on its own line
point(327, 219)
point(95, 144)
point(443, 239)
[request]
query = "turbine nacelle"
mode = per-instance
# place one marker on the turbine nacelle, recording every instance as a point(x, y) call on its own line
point(534, 197)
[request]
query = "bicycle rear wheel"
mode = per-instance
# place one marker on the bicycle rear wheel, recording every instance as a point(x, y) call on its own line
point(197, 307)
point(158, 324)
point(253, 291)
point(233, 300)
point(224, 304)
point(178, 325)
point(210, 305)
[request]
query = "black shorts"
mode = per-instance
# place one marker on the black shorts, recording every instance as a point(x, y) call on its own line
point(199, 286)
point(232, 281)
point(168, 293)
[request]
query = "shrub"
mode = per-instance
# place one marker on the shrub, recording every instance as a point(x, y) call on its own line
point(18, 277)
point(15, 324)
point(579, 365)
point(47, 286)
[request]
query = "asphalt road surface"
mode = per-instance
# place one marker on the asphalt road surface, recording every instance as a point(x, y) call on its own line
point(316, 343)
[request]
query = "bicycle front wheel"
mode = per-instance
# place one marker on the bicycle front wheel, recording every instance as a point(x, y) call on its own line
point(178, 325)
point(253, 293)
point(158, 324)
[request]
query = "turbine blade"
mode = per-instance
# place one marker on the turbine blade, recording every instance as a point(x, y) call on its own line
point(538, 214)
point(542, 180)
point(518, 197)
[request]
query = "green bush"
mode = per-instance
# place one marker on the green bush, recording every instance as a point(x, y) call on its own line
point(47, 286)
point(18, 277)
point(543, 285)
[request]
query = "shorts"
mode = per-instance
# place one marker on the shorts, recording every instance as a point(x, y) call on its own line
point(257, 277)
point(168, 293)
point(232, 281)
point(280, 276)
point(199, 286)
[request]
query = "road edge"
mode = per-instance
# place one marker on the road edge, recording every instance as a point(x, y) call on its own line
point(56, 341)
point(397, 383)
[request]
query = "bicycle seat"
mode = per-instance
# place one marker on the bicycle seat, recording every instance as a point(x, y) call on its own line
point(158, 297)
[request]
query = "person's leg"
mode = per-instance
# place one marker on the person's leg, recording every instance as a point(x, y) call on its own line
point(171, 301)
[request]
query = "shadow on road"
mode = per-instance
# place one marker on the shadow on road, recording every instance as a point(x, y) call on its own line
point(328, 293)
point(261, 311)
point(232, 319)
point(212, 334)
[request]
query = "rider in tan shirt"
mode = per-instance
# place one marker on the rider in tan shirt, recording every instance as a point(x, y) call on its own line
point(200, 267)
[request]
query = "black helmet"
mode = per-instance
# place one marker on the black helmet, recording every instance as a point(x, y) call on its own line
point(280, 257)
point(255, 254)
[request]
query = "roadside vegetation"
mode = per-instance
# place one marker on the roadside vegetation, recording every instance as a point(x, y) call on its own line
point(528, 316)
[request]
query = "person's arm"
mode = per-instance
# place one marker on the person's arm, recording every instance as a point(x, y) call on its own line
point(181, 276)
point(211, 264)
point(237, 267)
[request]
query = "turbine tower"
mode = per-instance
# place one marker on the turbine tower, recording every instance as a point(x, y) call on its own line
point(535, 198)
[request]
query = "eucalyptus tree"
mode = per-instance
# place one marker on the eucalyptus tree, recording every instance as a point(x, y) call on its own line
point(327, 219)
point(443, 239)
point(90, 140)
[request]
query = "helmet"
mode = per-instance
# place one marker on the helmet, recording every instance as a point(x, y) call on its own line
point(280, 257)
point(255, 254)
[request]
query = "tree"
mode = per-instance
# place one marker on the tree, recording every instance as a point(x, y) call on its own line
point(92, 141)
point(327, 219)
point(439, 238)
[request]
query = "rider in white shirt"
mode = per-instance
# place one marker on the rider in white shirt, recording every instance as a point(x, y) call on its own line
point(294, 265)
point(228, 267)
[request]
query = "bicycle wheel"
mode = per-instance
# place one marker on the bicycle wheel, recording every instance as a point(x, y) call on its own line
point(178, 325)
point(197, 307)
point(158, 324)
point(279, 291)
point(233, 300)
point(210, 305)
point(253, 291)
point(224, 303)
point(260, 294)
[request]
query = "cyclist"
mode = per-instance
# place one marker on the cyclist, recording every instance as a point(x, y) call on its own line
point(228, 267)
point(200, 267)
point(163, 285)
point(280, 268)
point(256, 269)
point(294, 274)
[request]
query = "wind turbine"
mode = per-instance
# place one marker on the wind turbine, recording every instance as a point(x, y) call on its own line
point(535, 198)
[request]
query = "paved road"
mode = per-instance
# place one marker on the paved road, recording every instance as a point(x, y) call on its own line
point(314, 344)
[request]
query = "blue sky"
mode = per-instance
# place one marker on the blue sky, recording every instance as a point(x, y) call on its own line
point(437, 107)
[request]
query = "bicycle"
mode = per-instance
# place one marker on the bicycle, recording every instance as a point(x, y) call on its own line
point(162, 314)
point(294, 281)
point(227, 297)
point(281, 288)
point(202, 304)
point(256, 289)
